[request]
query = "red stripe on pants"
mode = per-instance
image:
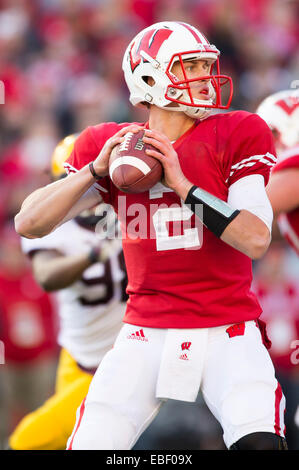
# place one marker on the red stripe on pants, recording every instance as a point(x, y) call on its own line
point(82, 408)
point(278, 397)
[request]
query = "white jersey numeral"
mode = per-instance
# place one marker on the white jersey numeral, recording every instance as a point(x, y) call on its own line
point(177, 213)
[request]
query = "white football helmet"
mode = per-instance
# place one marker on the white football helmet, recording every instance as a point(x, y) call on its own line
point(281, 113)
point(153, 52)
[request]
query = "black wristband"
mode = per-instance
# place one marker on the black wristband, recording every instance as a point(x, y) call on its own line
point(93, 255)
point(216, 214)
point(92, 171)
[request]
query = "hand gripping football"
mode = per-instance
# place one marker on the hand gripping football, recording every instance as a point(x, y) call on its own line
point(130, 168)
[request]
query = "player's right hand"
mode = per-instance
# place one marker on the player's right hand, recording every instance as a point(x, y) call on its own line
point(101, 163)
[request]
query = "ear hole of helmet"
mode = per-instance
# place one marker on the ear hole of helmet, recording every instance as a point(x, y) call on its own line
point(148, 80)
point(144, 103)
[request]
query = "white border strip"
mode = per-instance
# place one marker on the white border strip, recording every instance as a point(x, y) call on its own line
point(128, 160)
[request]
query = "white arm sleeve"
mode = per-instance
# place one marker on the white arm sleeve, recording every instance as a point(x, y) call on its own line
point(249, 193)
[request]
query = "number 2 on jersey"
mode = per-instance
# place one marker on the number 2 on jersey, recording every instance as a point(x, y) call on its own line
point(161, 218)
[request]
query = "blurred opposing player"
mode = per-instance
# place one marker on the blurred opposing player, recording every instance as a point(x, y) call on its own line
point(191, 318)
point(89, 275)
point(281, 112)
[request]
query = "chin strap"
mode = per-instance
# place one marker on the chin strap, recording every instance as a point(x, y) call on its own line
point(197, 113)
point(201, 112)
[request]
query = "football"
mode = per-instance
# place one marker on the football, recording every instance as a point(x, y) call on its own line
point(130, 168)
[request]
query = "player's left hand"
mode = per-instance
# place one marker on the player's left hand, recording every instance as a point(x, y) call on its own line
point(174, 177)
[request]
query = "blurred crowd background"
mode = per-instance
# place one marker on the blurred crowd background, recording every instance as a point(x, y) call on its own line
point(60, 62)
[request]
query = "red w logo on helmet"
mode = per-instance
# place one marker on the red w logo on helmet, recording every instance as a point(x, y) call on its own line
point(186, 345)
point(150, 42)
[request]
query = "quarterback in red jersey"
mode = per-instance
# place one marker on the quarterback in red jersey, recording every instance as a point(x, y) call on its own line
point(192, 320)
point(281, 112)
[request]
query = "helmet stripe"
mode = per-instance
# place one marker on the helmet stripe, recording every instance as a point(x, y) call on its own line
point(195, 34)
point(205, 39)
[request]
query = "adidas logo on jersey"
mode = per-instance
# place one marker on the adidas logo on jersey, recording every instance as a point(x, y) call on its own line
point(184, 357)
point(139, 335)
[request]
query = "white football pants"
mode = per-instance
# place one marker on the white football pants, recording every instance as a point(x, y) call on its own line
point(236, 377)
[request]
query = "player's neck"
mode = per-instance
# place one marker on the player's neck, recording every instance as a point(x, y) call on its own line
point(172, 124)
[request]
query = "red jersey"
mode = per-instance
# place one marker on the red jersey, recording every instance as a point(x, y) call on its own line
point(289, 223)
point(28, 319)
point(180, 279)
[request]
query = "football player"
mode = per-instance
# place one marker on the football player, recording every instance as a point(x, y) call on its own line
point(89, 277)
point(281, 113)
point(192, 321)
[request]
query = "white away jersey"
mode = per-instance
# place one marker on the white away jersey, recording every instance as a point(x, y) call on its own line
point(91, 310)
